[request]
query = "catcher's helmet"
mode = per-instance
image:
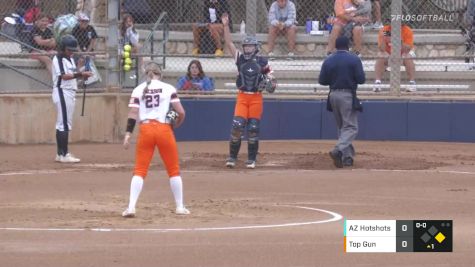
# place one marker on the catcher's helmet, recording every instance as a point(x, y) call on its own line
point(250, 41)
point(69, 42)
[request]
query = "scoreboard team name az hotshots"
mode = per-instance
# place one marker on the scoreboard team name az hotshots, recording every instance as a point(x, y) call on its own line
point(362, 236)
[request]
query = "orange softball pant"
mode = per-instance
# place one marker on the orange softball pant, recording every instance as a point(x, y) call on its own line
point(249, 106)
point(155, 134)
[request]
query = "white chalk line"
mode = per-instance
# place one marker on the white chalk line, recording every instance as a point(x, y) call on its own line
point(112, 166)
point(335, 217)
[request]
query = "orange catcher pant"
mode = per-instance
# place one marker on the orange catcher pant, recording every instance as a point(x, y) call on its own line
point(155, 134)
point(249, 105)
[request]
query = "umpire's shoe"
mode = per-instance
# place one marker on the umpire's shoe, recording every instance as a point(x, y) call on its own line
point(337, 158)
point(230, 162)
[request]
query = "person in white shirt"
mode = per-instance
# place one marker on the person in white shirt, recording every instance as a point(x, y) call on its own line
point(150, 104)
point(64, 76)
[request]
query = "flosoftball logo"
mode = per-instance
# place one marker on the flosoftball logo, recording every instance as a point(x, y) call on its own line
point(423, 17)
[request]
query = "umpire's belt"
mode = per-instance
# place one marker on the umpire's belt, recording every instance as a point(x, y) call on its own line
point(342, 90)
point(248, 93)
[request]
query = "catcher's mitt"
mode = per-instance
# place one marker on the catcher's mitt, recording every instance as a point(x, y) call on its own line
point(268, 83)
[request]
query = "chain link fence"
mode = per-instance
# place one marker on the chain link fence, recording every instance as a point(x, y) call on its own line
point(443, 55)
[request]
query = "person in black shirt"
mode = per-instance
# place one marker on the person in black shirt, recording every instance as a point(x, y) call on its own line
point(43, 39)
point(86, 36)
point(343, 71)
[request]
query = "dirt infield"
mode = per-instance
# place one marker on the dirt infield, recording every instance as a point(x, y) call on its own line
point(284, 213)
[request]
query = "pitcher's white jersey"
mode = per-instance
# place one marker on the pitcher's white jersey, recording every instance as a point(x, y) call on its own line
point(154, 103)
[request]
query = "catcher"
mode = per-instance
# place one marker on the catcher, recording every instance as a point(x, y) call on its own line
point(254, 77)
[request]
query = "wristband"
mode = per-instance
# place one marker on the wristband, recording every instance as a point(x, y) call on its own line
point(130, 125)
point(77, 75)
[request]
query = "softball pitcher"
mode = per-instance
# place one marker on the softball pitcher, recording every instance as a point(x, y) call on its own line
point(254, 76)
point(150, 104)
point(64, 75)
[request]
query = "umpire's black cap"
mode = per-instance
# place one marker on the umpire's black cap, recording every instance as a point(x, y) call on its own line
point(342, 43)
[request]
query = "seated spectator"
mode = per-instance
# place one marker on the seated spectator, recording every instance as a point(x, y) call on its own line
point(361, 8)
point(407, 53)
point(345, 14)
point(378, 24)
point(86, 36)
point(43, 39)
point(195, 78)
point(213, 10)
point(129, 35)
point(282, 20)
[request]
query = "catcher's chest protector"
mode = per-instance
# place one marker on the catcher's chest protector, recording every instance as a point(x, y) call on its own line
point(249, 74)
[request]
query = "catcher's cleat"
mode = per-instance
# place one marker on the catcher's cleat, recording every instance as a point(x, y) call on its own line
point(347, 162)
point(230, 163)
point(128, 213)
point(58, 158)
point(251, 164)
point(337, 158)
point(182, 211)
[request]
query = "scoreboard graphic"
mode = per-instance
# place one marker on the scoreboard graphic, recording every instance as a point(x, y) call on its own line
point(398, 236)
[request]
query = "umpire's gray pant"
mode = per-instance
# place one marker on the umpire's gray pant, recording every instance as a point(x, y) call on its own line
point(346, 121)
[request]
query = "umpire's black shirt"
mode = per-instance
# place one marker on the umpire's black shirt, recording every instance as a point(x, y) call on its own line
point(342, 70)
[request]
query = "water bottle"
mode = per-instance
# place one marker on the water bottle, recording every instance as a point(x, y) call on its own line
point(242, 29)
point(308, 25)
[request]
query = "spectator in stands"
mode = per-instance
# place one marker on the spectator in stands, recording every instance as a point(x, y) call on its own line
point(129, 36)
point(344, 10)
point(213, 10)
point(195, 78)
point(43, 39)
point(407, 53)
point(282, 20)
point(378, 24)
point(86, 36)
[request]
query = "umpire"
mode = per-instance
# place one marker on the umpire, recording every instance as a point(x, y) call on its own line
point(343, 71)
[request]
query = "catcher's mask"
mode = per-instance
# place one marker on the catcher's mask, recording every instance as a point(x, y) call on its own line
point(250, 47)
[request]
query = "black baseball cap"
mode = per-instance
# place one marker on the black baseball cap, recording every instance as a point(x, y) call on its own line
point(342, 43)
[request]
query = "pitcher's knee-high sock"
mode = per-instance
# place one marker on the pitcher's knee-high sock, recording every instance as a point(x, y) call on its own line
point(176, 185)
point(135, 188)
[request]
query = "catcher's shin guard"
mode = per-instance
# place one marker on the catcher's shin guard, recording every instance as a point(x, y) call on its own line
point(237, 130)
point(234, 146)
point(253, 128)
point(252, 148)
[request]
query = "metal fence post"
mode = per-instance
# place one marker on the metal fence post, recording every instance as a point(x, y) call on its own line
point(395, 57)
point(112, 44)
point(251, 17)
